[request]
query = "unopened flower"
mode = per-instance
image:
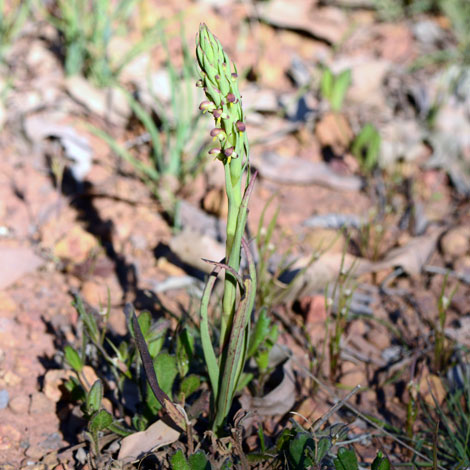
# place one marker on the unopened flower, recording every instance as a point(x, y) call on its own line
point(230, 153)
point(231, 98)
point(218, 133)
point(241, 127)
point(207, 106)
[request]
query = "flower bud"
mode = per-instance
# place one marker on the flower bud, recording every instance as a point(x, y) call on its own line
point(240, 125)
point(215, 152)
point(231, 98)
point(200, 83)
point(207, 106)
point(218, 133)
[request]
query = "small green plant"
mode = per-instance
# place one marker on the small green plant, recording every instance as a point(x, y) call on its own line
point(87, 28)
point(342, 291)
point(219, 79)
point(315, 449)
point(118, 369)
point(12, 19)
point(366, 147)
point(445, 436)
point(334, 87)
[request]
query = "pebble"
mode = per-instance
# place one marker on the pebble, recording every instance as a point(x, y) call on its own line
point(455, 242)
point(41, 404)
point(4, 399)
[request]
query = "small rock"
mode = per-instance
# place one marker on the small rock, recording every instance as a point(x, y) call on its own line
point(53, 381)
point(35, 453)
point(215, 202)
point(16, 262)
point(455, 242)
point(4, 399)
point(11, 379)
point(76, 246)
point(430, 387)
point(353, 375)
point(40, 404)
point(333, 131)
point(96, 293)
point(110, 104)
point(20, 404)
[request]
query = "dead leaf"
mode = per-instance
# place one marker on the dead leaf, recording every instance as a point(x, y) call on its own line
point(296, 170)
point(320, 273)
point(328, 24)
point(412, 256)
point(277, 402)
point(140, 443)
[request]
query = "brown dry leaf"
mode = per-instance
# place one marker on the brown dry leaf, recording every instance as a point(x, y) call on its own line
point(322, 272)
point(140, 443)
point(296, 170)
point(412, 256)
point(329, 24)
point(277, 402)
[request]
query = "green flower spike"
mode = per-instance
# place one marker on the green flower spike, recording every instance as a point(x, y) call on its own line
point(219, 80)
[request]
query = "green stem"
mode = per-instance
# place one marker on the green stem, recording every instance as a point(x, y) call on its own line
point(232, 251)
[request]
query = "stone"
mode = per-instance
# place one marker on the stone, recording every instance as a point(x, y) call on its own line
point(96, 292)
point(455, 243)
point(53, 381)
point(431, 385)
point(16, 262)
point(40, 404)
point(4, 399)
point(333, 130)
point(76, 246)
point(20, 404)
point(215, 202)
point(353, 375)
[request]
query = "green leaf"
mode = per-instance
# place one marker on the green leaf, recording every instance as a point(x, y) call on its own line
point(184, 351)
point(297, 455)
point(166, 371)
point(189, 385)
point(340, 87)
point(326, 84)
point(100, 421)
point(198, 461)
point(346, 460)
point(94, 397)
point(323, 446)
point(380, 462)
point(145, 321)
point(259, 333)
point(119, 430)
point(73, 359)
point(178, 461)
